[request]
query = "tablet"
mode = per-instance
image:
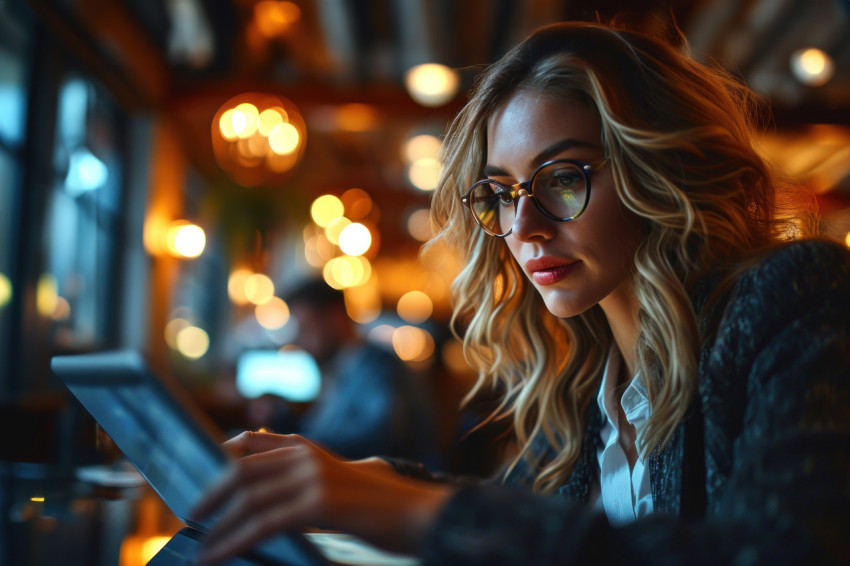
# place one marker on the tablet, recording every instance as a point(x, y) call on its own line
point(164, 436)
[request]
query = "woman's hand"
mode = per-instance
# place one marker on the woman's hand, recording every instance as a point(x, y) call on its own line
point(285, 482)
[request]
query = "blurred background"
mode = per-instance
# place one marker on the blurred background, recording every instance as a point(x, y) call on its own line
point(170, 168)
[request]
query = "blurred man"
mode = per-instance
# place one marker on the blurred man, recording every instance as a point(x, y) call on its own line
point(370, 403)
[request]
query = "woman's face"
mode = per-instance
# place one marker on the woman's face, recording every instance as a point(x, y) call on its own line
point(577, 264)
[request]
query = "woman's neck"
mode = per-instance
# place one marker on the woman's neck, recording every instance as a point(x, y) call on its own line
point(621, 310)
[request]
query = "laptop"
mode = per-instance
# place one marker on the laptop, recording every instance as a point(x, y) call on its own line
point(169, 442)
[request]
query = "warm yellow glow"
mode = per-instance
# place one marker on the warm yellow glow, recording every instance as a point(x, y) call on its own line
point(47, 295)
point(363, 302)
point(355, 239)
point(812, 66)
point(151, 546)
point(272, 314)
point(347, 271)
point(326, 208)
point(431, 84)
point(419, 224)
point(192, 342)
point(335, 228)
point(415, 306)
point(257, 146)
point(355, 117)
point(259, 288)
point(269, 119)
point(412, 344)
point(184, 239)
point(318, 250)
point(37, 499)
point(284, 138)
point(225, 125)
point(847, 239)
point(5, 290)
point(244, 120)
point(423, 173)
point(236, 285)
point(274, 18)
point(172, 329)
point(423, 145)
point(357, 203)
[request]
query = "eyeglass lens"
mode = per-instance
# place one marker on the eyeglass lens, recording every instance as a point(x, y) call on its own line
point(559, 189)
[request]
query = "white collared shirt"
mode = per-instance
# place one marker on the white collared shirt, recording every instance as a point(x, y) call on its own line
point(625, 494)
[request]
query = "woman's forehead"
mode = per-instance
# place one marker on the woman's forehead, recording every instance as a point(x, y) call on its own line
point(529, 122)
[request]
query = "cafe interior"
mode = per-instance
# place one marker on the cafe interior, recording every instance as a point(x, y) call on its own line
point(170, 168)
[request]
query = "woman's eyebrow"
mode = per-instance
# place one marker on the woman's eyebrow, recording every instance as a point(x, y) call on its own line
point(542, 157)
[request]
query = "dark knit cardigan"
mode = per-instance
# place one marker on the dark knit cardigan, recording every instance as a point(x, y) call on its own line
point(759, 472)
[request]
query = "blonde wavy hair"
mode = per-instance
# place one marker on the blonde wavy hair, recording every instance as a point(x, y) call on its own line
point(680, 139)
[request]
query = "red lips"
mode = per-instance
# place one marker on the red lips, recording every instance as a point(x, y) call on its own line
point(549, 270)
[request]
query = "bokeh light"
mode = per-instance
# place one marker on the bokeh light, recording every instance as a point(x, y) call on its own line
point(419, 224)
point(431, 84)
point(415, 306)
point(357, 204)
point(46, 294)
point(259, 288)
point(272, 314)
point(236, 285)
point(192, 342)
point(5, 290)
point(326, 208)
point(424, 173)
point(422, 145)
point(355, 239)
point(172, 329)
point(412, 344)
point(347, 271)
point(812, 66)
point(184, 239)
point(335, 227)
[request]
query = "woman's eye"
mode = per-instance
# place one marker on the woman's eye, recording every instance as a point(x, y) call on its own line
point(567, 180)
point(505, 197)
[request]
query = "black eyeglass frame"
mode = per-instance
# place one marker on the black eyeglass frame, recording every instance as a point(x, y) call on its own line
point(586, 167)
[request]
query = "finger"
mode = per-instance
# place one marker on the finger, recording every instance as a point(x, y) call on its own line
point(247, 471)
point(250, 442)
point(264, 483)
point(252, 531)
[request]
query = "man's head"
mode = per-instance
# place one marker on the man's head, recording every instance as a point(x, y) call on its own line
point(323, 324)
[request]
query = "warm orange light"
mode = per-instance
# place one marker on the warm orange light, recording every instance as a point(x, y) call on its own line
point(184, 239)
point(236, 285)
point(335, 228)
point(259, 288)
point(415, 306)
point(326, 208)
point(284, 139)
point(269, 119)
point(275, 18)
point(357, 203)
point(431, 84)
point(424, 173)
point(423, 145)
point(355, 117)
point(412, 344)
point(272, 314)
point(258, 137)
point(812, 66)
point(355, 239)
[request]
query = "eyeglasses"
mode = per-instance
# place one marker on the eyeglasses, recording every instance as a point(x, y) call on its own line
point(560, 189)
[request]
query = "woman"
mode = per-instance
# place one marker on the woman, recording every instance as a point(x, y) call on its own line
point(675, 368)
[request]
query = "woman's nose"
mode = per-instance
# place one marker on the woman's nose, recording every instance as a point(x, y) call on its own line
point(529, 222)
